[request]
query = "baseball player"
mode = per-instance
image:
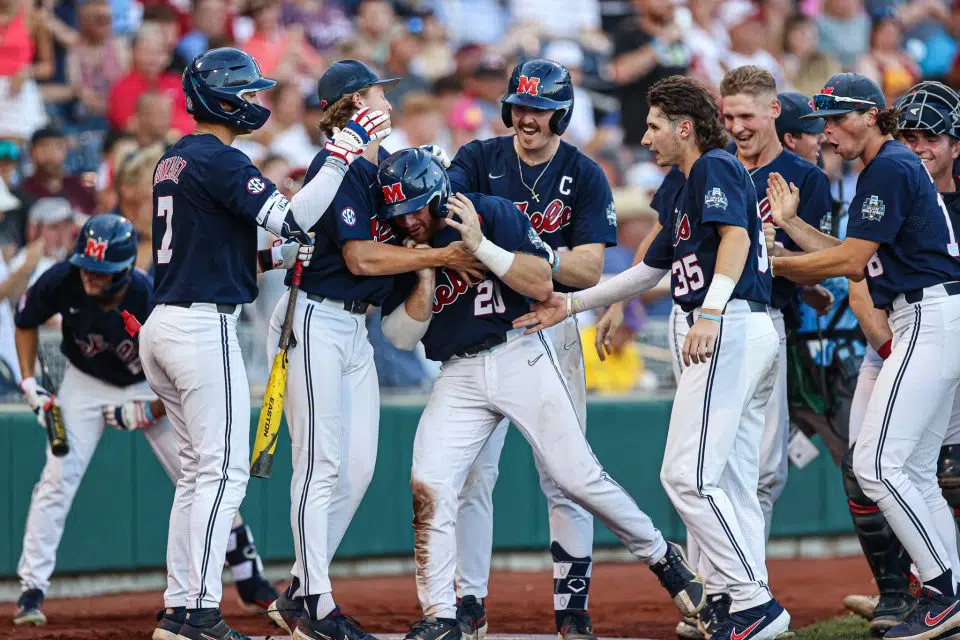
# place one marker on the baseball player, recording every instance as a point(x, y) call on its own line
point(570, 205)
point(712, 244)
point(900, 232)
point(481, 354)
point(208, 201)
point(103, 385)
point(332, 401)
point(802, 137)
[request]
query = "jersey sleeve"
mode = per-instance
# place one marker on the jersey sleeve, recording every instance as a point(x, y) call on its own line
point(720, 193)
point(39, 303)
point(353, 208)
point(815, 199)
point(596, 218)
point(666, 194)
point(877, 210)
point(403, 285)
point(245, 191)
point(507, 227)
point(660, 252)
point(465, 167)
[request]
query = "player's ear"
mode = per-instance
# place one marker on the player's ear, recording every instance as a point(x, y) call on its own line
point(955, 149)
point(776, 108)
point(357, 100)
point(685, 128)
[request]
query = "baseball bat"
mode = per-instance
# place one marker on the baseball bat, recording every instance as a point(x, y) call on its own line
point(56, 433)
point(268, 426)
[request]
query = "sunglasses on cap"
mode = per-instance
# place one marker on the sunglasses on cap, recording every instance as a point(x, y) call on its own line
point(824, 102)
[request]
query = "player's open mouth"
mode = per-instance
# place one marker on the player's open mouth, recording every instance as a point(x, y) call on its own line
point(529, 129)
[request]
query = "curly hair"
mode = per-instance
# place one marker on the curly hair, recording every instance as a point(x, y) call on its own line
point(339, 113)
point(888, 121)
point(681, 97)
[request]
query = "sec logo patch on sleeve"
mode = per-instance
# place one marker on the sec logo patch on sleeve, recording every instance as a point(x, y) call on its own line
point(256, 185)
point(349, 216)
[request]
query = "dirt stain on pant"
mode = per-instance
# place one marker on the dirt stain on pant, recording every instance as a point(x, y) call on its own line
point(424, 510)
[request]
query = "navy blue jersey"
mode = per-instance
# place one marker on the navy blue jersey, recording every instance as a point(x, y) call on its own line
point(94, 339)
point(575, 201)
point(207, 201)
point(351, 216)
point(815, 203)
point(897, 205)
point(665, 199)
point(462, 314)
point(718, 191)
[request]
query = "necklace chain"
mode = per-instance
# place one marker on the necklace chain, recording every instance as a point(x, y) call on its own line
point(532, 189)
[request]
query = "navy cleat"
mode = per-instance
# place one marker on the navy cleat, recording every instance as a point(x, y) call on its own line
point(934, 616)
point(472, 616)
point(207, 624)
point(169, 622)
point(576, 625)
point(714, 615)
point(256, 594)
point(685, 587)
point(30, 608)
point(434, 629)
point(891, 610)
point(335, 626)
point(767, 621)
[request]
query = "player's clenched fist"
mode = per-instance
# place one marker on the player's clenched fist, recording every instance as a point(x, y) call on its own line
point(363, 128)
point(39, 399)
point(128, 416)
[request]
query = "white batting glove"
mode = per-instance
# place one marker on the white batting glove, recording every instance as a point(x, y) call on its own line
point(351, 141)
point(128, 416)
point(437, 152)
point(39, 399)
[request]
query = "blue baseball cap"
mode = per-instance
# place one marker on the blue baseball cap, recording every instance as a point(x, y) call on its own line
point(345, 77)
point(793, 106)
point(846, 92)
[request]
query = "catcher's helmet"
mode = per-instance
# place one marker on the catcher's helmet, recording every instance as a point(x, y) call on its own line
point(215, 83)
point(107, 244)
point(540, 84)
point(930, 106)
point(345, 77)
point(409, 180)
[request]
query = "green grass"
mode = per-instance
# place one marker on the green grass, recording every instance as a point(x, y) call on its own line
point(843, 628)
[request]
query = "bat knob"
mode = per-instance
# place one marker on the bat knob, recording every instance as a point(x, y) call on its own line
point(130, 323)
point(262, 467)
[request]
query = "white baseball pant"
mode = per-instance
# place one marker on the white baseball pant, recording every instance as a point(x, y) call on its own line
point(192, 359)
point(470, 398)
point(570, 525)
point(904, 426)
point(711, 464)
point(332, 406)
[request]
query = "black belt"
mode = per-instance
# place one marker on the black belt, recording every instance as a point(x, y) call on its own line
point(477, 347)
point(753, 304)
point(353, 306)
point(221, 308)
point(916, 295)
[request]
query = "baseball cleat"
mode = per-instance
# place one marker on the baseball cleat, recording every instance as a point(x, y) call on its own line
point(862, 606)
point(256, 594)
point(472, 616)
point(714, 615)
point(285, 612)
point(207, 624)
point(768, 621)
point(576, 625)
point(29, 608)
point(169, 622)
point(680, 580)
point(335, 626)
point(687, 629)
point(434, 629)
point(891, 610)
point(934, 616)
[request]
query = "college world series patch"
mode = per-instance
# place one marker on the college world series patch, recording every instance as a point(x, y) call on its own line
point(715, 198)
point(873, 208)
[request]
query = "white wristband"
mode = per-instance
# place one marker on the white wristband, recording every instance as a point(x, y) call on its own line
point(498, 260)
point(721, 288)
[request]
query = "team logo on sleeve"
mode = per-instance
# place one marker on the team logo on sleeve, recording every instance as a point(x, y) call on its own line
point(873, 208)
point(393, 193)
point(611, 214)
point(715, 198)
point(826, 223)
point(349, 216)
point(96, 249)
point(256, 185)
point(529, 86)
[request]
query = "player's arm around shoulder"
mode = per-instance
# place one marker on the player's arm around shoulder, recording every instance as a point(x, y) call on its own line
point(515, 254)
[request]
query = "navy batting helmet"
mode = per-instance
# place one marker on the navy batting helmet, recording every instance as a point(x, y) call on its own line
point(540, 84)
point(930, 106)
point(107, 244)
point(345, 77)
point(409, 180)
point(215, 83)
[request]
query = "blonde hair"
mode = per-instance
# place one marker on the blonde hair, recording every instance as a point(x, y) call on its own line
point(143, 162)
point(750, 80)
point(814, 72)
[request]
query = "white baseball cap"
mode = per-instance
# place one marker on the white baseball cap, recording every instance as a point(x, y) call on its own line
point(8, 201)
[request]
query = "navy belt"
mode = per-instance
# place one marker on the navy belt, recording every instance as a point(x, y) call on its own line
point(916, 295)
point(353, 306)
point(477, 347)
point(753, 304)
point(221, 308)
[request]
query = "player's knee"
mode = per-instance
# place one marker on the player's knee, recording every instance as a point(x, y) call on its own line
point(948, 475)
point(676, 479)
point(867, 475)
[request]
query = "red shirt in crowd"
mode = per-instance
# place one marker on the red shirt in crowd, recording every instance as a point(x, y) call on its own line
point(123, 99)
point(82, 197)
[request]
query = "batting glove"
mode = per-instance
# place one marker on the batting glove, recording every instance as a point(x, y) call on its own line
point(437, 152)
point(283, 255)
point(351, 141)
point(39, 399)
point(128, 416)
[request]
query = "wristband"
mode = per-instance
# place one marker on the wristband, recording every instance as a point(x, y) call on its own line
point(147, 413)
point(555, 264)
point(771, 267)
point(710, 316)
point(498, 260)
point(884, 350)
point(28, 384)
point(721, 288)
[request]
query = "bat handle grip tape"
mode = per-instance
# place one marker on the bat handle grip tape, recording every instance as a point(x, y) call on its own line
point(297, 274)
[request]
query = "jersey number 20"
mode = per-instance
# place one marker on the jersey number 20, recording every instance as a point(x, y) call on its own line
point(165, 210)
point(488, 300)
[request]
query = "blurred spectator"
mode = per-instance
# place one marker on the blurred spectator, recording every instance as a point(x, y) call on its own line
point(486, 84)
point(472, 21)
point(151, 122)
point(436, 55)
point(26, 55)
point(775, 14)
point(646, 49)
point(375, 19)
point(814, 71)
point(887, 63)
point(165, 18)
point(150, 60)
point(420, 122)
point(557, 18)
point(135, 199)
point(12, 219)
point(208, 29)
point(801, 40)
point(402, 62)
point(48, 152)
point(746, 27)
point(582, 125)
point(118, 146)
point(52, 224)
point(466, 122)
point(96, 61)
point(623, 368)
point(293, 182)
point(10, 291)
point(290, 136)
point(844, 30)
point(708, 41)
point(447, 91)
point(324, 22)
point(282, 53)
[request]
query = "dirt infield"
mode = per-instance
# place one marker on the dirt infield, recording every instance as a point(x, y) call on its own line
point(625, 601)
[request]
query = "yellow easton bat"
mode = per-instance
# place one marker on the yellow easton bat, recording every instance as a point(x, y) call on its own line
point(268, 426)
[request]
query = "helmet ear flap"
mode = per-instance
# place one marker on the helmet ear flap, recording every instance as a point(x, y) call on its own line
point(559, 120)
point(506, 115)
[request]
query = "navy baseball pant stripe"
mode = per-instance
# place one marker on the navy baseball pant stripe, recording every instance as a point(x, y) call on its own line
point(308, 377)
point(677, 317)
point(225, 347)
point(885, 429)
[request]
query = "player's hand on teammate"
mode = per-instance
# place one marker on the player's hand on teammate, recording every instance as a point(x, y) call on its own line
point(128, 416)
point(460, 259)
point(784, 199)
point(364, 127)
point(437, 152)
point(39, 399)
point(606, 327)
point(701, 340)
point(543, 315)
point(422, 274)
point(460, 206)
point(819, 298)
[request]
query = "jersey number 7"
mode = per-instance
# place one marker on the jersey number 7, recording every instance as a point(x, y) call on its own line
point(165, 210)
